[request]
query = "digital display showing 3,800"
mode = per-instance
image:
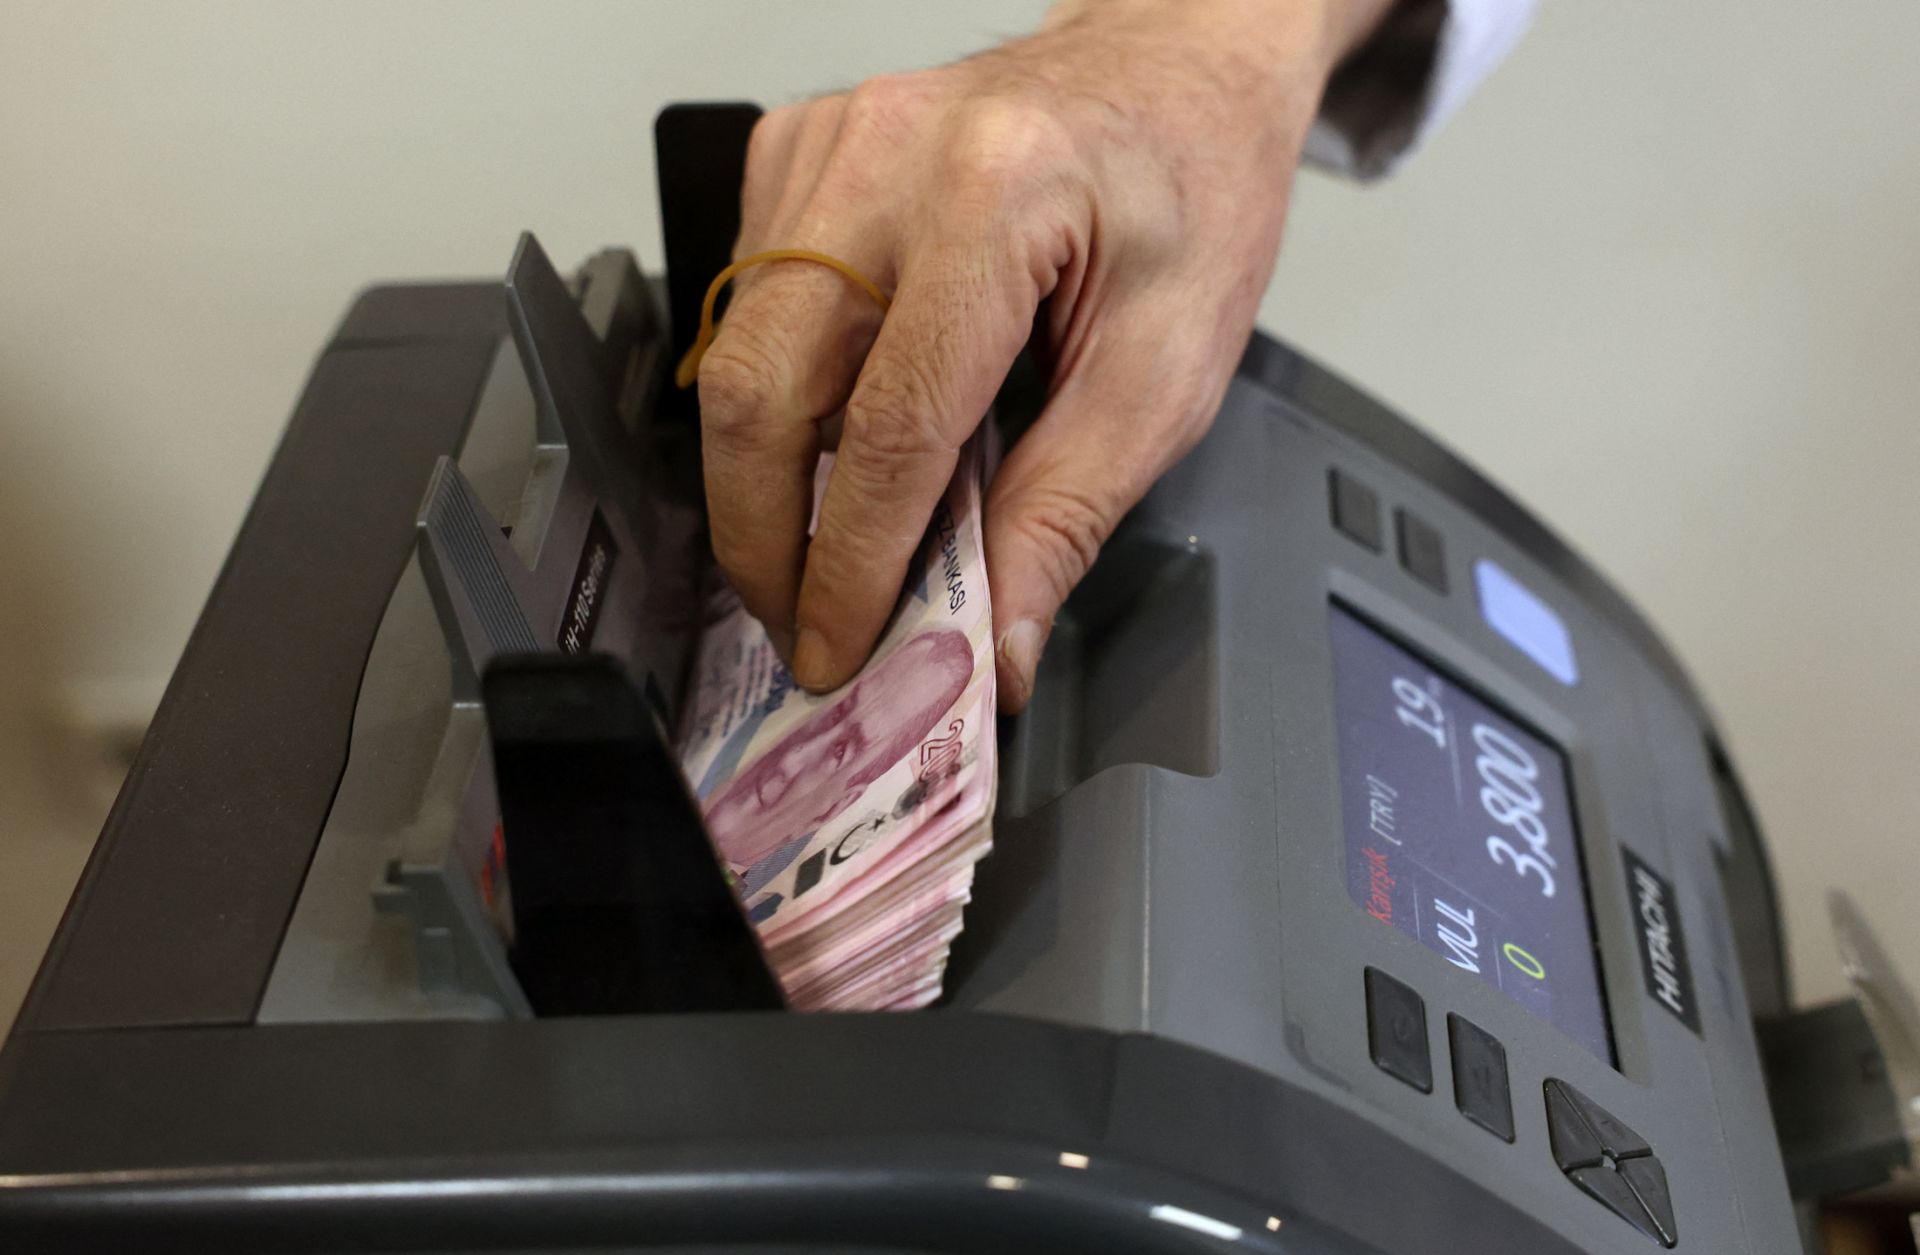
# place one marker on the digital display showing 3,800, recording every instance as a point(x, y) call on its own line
point(1459, 832)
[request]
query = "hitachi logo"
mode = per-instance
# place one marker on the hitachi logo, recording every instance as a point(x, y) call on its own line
point(1658, 939)
point(1663, 945)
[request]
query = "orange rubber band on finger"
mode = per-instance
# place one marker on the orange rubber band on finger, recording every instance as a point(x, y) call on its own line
point(689, 368)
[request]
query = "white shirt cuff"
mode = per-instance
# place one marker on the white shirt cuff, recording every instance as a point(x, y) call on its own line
point(1400, 86)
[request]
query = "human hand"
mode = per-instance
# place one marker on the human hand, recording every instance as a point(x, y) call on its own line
point(1122, 175)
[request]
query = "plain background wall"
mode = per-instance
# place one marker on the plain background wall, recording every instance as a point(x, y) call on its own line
point(1660, 278)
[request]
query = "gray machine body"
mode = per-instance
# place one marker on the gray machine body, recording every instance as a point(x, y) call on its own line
point(1156, 1035)
point(1171, 840)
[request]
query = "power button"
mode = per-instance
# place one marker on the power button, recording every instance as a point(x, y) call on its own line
point(1397, 1031)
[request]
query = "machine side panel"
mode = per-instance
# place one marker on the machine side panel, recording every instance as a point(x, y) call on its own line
point(181, 909)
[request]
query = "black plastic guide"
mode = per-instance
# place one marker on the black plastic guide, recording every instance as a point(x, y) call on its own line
point(700, 154)
point(619, 903)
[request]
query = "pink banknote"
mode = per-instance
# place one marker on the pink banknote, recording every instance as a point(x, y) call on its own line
point(852, 820)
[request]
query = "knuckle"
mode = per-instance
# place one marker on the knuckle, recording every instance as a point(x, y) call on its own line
point(817, 121)
point(761, 177)
point(1001, 141)
point(765, 137)
point(884, 108)
point(1065, 529)
point(892, 416)
point(739, 383)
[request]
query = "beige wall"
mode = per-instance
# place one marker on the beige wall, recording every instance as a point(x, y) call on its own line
point(1661, 279)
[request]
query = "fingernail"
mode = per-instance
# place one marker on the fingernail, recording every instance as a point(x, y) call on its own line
point(1020, 646)
point(811, 661)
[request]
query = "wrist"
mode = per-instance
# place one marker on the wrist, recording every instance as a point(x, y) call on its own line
point(1284, 47)
point(1349, 24)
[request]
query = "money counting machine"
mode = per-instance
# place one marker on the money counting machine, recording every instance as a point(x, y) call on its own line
point(1368, 877)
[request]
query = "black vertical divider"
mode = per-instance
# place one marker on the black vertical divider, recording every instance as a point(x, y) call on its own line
point(620, 905)
point(700, 154)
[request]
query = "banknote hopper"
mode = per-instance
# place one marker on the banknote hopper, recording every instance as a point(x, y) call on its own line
point(1368, 876)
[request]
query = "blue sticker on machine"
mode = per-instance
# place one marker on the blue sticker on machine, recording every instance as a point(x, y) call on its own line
point(1527, 622)
point(1663, 947)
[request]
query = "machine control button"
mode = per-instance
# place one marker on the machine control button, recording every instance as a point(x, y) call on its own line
point(1575, 1144)
point(1356, 509)
point(1609, 1161)
point(1397, 1031)
point(1618, 1197)
point(1422, 553)
point(1608, 1129)
point(1649, 1182)
point(1480, 1077)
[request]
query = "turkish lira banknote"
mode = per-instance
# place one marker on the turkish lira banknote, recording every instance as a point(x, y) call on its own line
point(851, 820)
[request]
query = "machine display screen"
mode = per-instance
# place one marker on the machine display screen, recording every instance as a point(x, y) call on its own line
point(1459, 832)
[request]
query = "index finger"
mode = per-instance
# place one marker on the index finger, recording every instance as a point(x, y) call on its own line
point(959, 318)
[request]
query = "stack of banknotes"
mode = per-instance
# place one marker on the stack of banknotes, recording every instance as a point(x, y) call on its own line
point(851, 821)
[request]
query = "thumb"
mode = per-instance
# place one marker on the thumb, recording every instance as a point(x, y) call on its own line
point(1122, 417)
